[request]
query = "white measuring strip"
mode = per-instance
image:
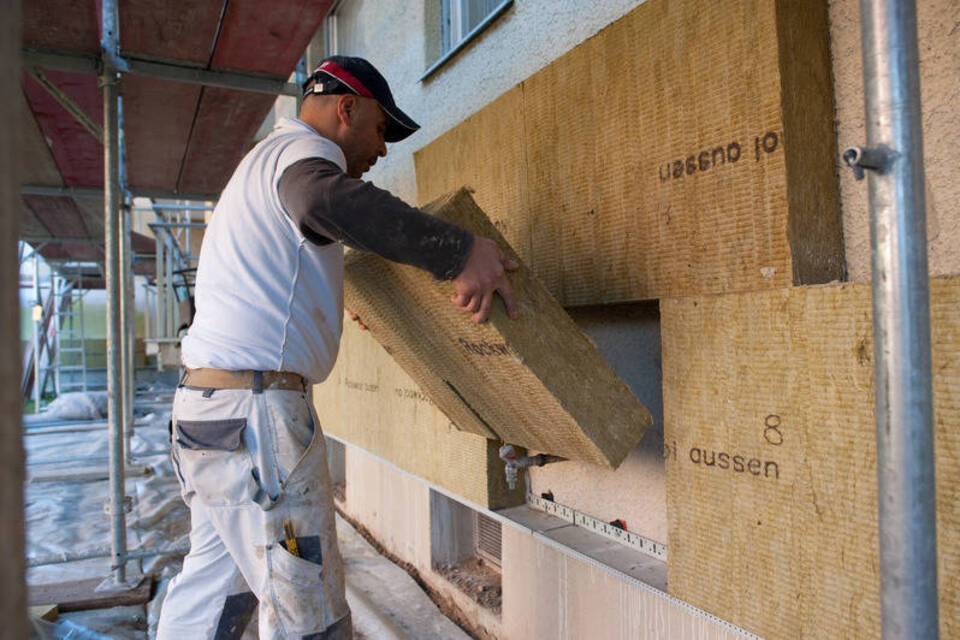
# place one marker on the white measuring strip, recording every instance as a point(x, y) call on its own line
point(650, 547)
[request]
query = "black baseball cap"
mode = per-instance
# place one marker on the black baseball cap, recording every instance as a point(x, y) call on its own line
point(345, 74)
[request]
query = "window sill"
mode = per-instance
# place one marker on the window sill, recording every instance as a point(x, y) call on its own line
point(496, 13)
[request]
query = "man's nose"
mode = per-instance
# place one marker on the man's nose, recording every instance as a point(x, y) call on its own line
point(382, 151)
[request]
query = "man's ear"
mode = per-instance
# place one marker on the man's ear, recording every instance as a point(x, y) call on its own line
point(346, 108)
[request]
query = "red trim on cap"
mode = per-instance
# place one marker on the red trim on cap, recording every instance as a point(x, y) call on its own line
point(346, 78)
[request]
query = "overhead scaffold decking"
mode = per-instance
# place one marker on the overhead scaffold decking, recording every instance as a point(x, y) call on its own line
point(122, 108)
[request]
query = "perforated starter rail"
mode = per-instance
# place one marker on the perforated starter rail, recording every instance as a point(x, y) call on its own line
point(634, 540)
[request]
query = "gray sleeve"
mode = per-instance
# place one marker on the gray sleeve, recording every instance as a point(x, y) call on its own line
point(330, 206)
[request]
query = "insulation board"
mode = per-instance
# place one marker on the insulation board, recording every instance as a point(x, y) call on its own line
point(687, 148)
point(371, 403)
point(771, 458)
point(537, 382)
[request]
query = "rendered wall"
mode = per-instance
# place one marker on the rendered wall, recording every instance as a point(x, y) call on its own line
point(524, 40)
point(547, 594)
point(939, 34)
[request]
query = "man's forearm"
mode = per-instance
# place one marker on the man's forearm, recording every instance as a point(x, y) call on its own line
point(328, 205)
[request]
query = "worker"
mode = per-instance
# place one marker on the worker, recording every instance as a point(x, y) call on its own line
point(248, 449)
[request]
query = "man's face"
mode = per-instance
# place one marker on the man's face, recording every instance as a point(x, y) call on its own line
point(362, 141)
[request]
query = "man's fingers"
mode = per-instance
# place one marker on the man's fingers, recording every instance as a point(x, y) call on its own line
point(506, 292)
point(484, 275)
point(481, 315)
point(466, 302)
point(356, 318)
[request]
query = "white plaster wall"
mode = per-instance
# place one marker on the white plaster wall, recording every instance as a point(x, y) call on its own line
point(547, 594)
point(394, 507)
point(391, 34)
point(628, 337)
point(939, 36)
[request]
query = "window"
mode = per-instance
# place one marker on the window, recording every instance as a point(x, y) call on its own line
point(460, 17)
point(343, 32)
point(460, 22)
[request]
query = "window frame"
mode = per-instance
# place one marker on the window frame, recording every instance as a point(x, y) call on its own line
point(330, 47)
point(466, 39)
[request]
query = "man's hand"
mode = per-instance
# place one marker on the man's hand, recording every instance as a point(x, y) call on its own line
point(482, 276)
point(356, 318)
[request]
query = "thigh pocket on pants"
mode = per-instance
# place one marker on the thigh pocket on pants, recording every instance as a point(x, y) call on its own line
point(297, 594)
point(214, 461)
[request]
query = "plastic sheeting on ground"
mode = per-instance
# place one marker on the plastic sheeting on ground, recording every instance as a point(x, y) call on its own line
point(72, 517)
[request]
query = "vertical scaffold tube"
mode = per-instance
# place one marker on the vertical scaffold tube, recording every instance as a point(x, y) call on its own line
point(126, 290)
point(37, 329)
point(111, 210)
point(126, 319)
point(901, 320)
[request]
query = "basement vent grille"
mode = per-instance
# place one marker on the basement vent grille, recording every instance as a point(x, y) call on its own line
point(488, 539)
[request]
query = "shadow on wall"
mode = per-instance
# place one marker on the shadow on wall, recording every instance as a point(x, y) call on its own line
point(628, 337)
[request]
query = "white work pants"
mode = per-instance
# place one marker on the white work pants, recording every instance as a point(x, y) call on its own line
point(247, 463)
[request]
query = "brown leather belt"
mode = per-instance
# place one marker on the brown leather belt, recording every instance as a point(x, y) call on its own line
point(244, 379)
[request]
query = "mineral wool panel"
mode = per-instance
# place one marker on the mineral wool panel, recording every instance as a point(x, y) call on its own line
point(537, 382)
point(687, 148)
point(771, 458)
point(368, 401)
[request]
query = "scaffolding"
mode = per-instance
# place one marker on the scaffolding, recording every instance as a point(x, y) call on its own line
point(168, 296)
point(70, 355)
point(58, 344)
point(176, 265)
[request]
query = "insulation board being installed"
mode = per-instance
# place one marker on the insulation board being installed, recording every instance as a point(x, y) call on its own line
point(371, 403)
point(771, 458)
point(537, 382)
point(687, 148)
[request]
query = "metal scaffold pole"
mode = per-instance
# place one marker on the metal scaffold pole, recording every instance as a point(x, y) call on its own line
point(901, 318)
point(56, 294)
point(126, 294)
point(37, 328)
point(112, 223)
